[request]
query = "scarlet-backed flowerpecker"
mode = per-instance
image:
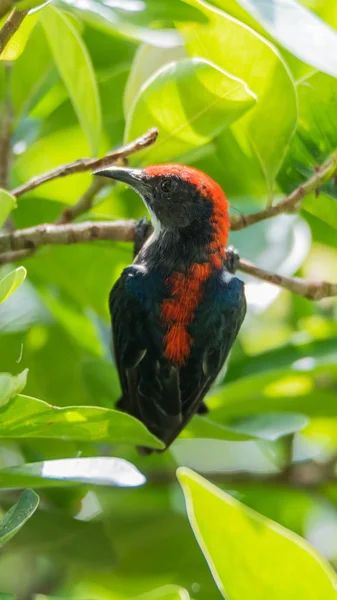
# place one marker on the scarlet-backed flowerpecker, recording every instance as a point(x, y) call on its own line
point(177, 309)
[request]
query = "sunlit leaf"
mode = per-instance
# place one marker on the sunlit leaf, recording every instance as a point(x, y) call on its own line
point(11, 282)
point(314, 141)
point(186, 121)
point(74, 65)
point(17, 43)
point(32, 73)
point(147, 61)
point(221, 523)
point(7, 203)
point(11, 385)
point(16, 517)
point(25, 417)
point(228, 43)
point(291, 25)
point(71, 471)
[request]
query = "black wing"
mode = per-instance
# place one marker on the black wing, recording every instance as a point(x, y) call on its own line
point(150, 383)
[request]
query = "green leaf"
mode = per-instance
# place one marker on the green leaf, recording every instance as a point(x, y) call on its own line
point(295, 390)
point(18, 41)
point(270, 426)
point(50, 151)
point(186, 121)
point(264, 426)
point(11, 385)
point(7, 203)
point(265, 131)
point(147, 61)
point(314, 141)
point(30, 77)
point(235, 540)
point(69, 471)
point(25, 417)
point(291, 25)
point(11, 282)
point(16, 517)
point(74, 64)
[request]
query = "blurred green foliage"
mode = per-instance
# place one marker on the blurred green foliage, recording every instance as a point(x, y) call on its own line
point(245, 90)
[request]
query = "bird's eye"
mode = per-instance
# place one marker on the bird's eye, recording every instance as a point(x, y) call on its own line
point(167, 185)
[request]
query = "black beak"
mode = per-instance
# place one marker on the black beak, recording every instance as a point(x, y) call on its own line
point(133, 177)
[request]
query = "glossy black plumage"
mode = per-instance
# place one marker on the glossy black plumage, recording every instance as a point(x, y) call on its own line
point(164, 393)
point(161, 395)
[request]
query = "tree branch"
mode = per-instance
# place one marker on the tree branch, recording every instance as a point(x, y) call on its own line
point(74, 233)
point(26, 241)
point(292, 202)
point(313, 290)
point(10, 27)
point(86, 164)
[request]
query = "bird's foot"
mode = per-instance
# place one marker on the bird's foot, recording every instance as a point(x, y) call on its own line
point(232, 259)
point(143, 230)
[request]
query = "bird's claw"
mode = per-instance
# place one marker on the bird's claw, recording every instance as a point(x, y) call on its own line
point(142, 232)
point(232, 259)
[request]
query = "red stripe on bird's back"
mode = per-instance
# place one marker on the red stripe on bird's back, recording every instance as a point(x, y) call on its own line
point(187, 291)
point(178, 311)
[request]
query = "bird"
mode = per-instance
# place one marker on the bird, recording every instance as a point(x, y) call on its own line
point(177, 309)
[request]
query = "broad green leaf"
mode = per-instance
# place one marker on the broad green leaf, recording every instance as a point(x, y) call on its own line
point(265, 426)
point(108, 21)
point(270, 426)
point(265, 131)
point(147, 61)
point(33, 73)
point(236, 540)
point(71, 471)
point(291, 25)
point(18, 41)
point(186, 121)
point(25, 417)
point(203, 427)
point(50, 151)
point(314, 141)
point(74, 64)
point(16, 517)
point(11, 385)
point(290, 390)
point(7, 203)
point(11, 282)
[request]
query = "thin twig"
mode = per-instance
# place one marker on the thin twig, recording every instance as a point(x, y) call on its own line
point(11, 257)
point(34, 237)
point(10, 27)
point(86, 164)
point(313, 290)
point(292, 202)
